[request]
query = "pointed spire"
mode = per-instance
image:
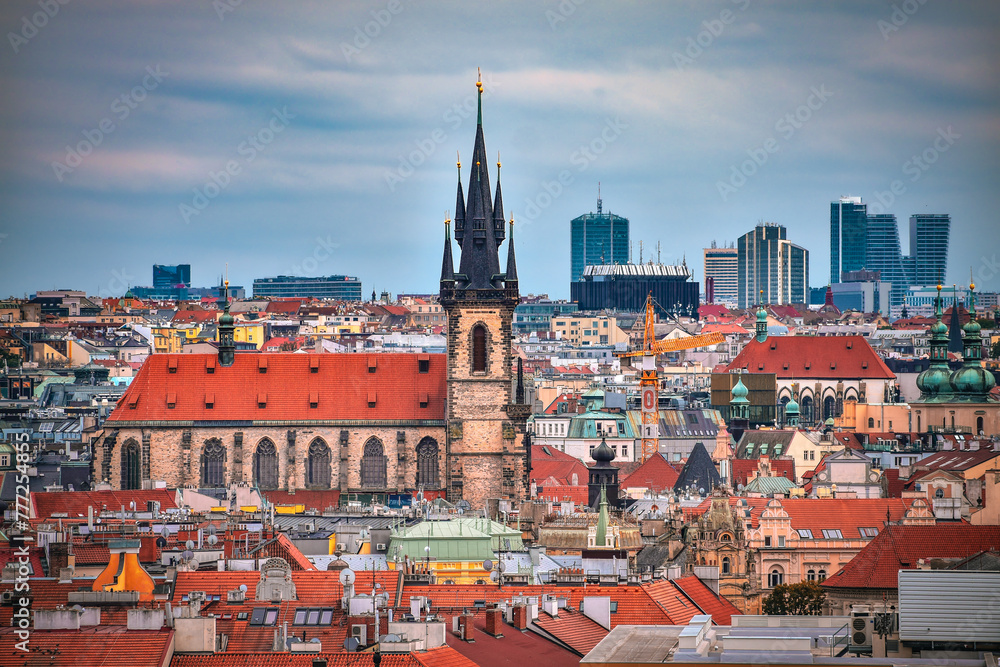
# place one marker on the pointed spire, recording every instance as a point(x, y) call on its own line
point(602, 521)
point(511, 262)
point(479, 87)
point(227, 340)
point(459, 206)
point(519, 390)
point(447, 264)
point(498, 223)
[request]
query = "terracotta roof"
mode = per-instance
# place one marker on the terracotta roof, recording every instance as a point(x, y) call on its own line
point(9, 553)
point(833, 357)
point(957, 460)
point(894, 484)
point(744, 469)
point(75, 503)
point(267, 658)
point(285, 385)
point(559, 492)
point(846, 514)
point(721, 609)
point(514, 649)
point(725, 328)
point(673, 601)
point(655, 474)
point(574, 629)
point(287, 307)
point(443, 656)
point(101, 645)
point(549, 461)
point(900, 547)
point(318, 499)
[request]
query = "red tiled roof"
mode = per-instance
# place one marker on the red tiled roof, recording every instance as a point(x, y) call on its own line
point(75, 503)
point(443, 656)
point(574, 629)
point(744, 469)
point(725, 328)
point(849, 440)
point(514, 649)
point(286, 307)
point(784, 311)
point(673, 601)
point(900, 547)
point(721, 609)
point(840, 357)
point(846, 514)
point(559, 492)
point(655, 474)
point(343, 385)
point(267, 658)
point(90, 553)
point(549, 461)
point(9, 553)
point(317, 499)
point(894, 484)
point(712, 309)
point(108, 646)
point(194, 316)
point(958, 461)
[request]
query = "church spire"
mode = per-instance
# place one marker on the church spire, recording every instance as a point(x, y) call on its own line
point(447, 265)
point(227, 339)
point(511, 277)
point(498, 223)
point(480, 264)
point(459, 207)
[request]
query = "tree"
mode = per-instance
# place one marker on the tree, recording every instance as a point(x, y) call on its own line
point(802, 599)
point(995, 351)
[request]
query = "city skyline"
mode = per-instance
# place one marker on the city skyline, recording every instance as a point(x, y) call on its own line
point(273, 139)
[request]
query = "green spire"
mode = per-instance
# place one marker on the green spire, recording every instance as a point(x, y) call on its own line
point(602, 521)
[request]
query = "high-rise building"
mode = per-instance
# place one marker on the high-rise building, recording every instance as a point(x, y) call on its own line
point(722, 277)
point(771, 268)
point(885, 256)
point(929, 233)
point(848, 236)
point(624, 287)
point(341, 288)
point(171, 275)
point(597, 238)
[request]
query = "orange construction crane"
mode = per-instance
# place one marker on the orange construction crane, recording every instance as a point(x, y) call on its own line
point(649, 386)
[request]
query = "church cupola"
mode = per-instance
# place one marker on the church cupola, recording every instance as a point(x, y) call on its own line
point(761, 324)
point(972, 382)
point(935, 382)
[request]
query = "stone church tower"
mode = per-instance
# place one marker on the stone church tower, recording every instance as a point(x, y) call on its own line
point(487, 447)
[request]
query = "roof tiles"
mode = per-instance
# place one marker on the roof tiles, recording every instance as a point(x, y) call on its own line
point(831, 357)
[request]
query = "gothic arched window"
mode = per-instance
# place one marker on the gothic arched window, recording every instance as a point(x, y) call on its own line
point(213, 464)
point(427, 464)
point(479, 349)
point(318, 465)
point(373, 464)
point(265, 465)
point(131, 466)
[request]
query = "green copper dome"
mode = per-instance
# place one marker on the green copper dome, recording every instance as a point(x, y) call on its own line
point(791, 408)
point(939, 328)
point(761, 315)
point(934, 382)
point(740, 392)
point(973, 382)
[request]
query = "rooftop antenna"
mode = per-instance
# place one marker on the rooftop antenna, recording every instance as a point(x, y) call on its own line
point(599, 202)
point(640, 252)
point(657, 252)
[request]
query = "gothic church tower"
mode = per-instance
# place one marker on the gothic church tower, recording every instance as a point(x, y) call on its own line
point(488, 450)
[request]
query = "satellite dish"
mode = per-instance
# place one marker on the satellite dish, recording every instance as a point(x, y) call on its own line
point(494, 576)
point(161, 542)
point(212, 539)
point(188, 555)
point(211, 529)
point(347, 577)
point(487, 565)
point(501, 567)
point(351, 644)
point(189, 544)
point(194, 564)
point(243, 588)
point(165, 531)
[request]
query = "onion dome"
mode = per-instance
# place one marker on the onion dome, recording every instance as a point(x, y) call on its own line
point(792, 408)
point(602, 453)
point(934, 381)
point(740, 392)
point(973, 382)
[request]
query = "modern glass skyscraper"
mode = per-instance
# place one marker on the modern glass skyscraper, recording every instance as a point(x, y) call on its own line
point(848, 232)
point(929, 233)
point(771, 263)
point(722, 267)
point(886, 257)
point(597, 238)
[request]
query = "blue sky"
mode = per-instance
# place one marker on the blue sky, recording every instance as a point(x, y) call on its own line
point(320, 138)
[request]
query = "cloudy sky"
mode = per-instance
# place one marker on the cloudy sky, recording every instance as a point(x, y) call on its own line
point(320, 138)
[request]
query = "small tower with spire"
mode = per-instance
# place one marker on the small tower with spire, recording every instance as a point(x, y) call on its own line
point(227, 339)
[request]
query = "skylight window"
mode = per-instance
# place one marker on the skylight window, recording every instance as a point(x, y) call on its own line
point(868, 532)
point(805, 533)
point(264, 616)
point(832, 534)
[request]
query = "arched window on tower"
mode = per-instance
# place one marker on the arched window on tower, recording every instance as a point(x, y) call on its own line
point(318, 465)
point(871, 422)
point(213, 464)
point(131, 466)
point(829, 407)
point(265, 465)
point(479, 349)
point(979, 426)
point(427, 464)
point(726, 565)
point(373, 464)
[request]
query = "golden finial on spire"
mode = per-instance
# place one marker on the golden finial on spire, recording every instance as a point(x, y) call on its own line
point(498, 159)
point(479, 80)
point(972, 283)
point(447, 218)
point(459, 159)
point(512, 222)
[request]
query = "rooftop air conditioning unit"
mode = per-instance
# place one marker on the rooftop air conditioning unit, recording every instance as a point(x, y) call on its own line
point(380, 546)
point(861, 633)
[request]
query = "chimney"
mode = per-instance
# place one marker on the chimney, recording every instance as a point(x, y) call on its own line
point(60, 557)
point(520, 611)
point(467, 630)
point(494, 622)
